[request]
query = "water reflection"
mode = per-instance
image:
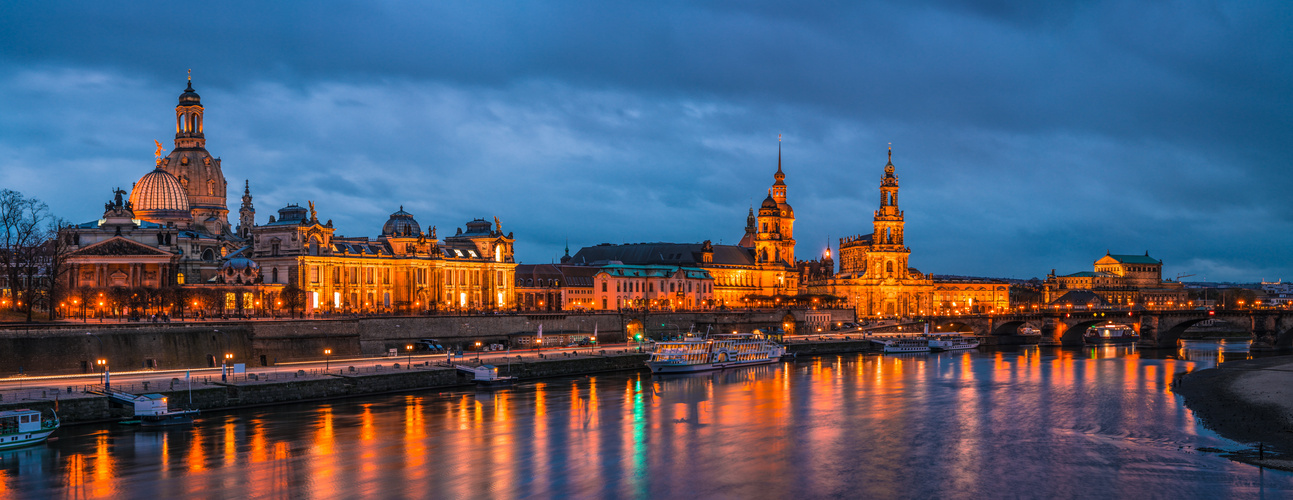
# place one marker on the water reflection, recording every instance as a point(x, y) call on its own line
point(1033, 421)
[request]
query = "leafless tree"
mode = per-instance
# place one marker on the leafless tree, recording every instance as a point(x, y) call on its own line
point(23, 234)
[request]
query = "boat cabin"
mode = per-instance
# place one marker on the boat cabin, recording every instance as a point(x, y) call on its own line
point(151, 404)
point(19, 421)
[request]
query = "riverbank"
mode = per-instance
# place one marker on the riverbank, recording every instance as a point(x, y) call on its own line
point(264, 388)
point(275, 385)
point(1249, 401)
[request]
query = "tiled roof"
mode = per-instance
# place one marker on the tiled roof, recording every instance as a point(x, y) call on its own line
point(678, 254)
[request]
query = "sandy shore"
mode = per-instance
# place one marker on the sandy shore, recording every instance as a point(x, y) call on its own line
point(1249, 401)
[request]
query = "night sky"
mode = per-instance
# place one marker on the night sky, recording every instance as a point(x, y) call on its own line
point(1027, 135)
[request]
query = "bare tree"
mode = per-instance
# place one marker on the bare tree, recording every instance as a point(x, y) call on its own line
point(23, 235)
point(58, 247)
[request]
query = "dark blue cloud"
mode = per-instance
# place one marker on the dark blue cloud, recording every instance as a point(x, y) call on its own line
point(1028, 135)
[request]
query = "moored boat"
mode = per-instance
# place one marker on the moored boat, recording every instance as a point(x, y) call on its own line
point(952, 343)
point(906, 344)
point(153, 410)
point(714, 352)
point(487, 377)
point(25, 427)
point(1110, 333)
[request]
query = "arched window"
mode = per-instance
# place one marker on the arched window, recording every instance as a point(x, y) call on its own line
point(888, 267)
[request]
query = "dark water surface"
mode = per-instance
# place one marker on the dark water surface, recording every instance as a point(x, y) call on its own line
point(1038, 422)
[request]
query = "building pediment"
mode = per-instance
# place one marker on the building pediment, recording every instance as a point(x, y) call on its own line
point(118, 247)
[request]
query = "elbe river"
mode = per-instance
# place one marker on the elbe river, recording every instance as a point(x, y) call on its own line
point(1029, 423)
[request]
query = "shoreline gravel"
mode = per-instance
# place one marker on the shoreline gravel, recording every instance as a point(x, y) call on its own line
point(1248, 401)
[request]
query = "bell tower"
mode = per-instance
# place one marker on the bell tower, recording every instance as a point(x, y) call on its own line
point(188, 119)
point(198, 172)
point(888, 255)
point(246, 214)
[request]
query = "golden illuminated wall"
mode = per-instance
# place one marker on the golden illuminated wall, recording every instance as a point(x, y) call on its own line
point(968, 297)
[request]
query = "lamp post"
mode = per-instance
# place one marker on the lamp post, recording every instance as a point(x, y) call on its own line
point(327, 359)
point(224, 367)
point(107, 382)
point(478, 351)
point(409, 348)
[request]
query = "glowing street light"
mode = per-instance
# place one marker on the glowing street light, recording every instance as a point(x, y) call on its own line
point(224, 364)
point(327, 359)
point(409, 348)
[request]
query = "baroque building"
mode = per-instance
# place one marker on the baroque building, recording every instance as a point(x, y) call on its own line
point(173, 228)
point(173, 233)
point(757, 269)
point(402, 270)
point(1125, 280)
point(875, 277)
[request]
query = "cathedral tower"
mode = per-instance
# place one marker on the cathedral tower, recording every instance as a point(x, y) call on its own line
point(246, 214)
point(887, 257)
point(774, 239)
point(197, 171)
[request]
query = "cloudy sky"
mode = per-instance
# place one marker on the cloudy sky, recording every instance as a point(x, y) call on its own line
point(1027, 135)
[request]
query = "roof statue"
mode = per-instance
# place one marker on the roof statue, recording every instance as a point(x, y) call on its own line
point(433, 232)
point(498, 226)
point(158, 153)
point(313, 215)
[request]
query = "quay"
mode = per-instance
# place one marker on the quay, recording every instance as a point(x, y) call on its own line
point(78, 402)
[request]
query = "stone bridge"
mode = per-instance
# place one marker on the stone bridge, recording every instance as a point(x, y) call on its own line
point(1270, 329)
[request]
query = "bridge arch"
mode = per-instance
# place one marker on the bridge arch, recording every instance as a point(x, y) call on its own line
point(1073, 332)
point(788, 323)
point(1009, 327)
point(632, 328)
point(1171, 336)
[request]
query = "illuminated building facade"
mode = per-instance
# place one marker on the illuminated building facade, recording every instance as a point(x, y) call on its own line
point(611, 286)
point(173, 228)
point(753, 272)
point(1124, 280)
point(875, 277)
point(173, 232)
point(403, 270)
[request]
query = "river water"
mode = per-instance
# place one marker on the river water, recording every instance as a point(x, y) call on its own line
point(1032, 423)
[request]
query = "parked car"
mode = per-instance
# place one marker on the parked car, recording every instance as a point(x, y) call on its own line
point(431, 345)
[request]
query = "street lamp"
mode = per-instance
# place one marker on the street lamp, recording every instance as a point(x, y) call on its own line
point(478, 351)
point(224, 364)
point(327, 359)
point(409, 348)
point(107, 382)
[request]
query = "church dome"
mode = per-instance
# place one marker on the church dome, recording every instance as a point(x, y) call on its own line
point(769, 203)
point(159, 196)
point(401, 223)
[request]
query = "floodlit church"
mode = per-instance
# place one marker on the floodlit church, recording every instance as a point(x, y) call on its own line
point(876, 279)
point(167, 246)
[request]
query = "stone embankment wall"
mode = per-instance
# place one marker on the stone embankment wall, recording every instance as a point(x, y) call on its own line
point(73, 348)
point(82, 408)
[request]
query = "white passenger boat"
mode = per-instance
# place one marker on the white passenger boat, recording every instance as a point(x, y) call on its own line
point(713, 352)
point(906, 344)
point(486, 376)
point(25, 427)
point(952, 343)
